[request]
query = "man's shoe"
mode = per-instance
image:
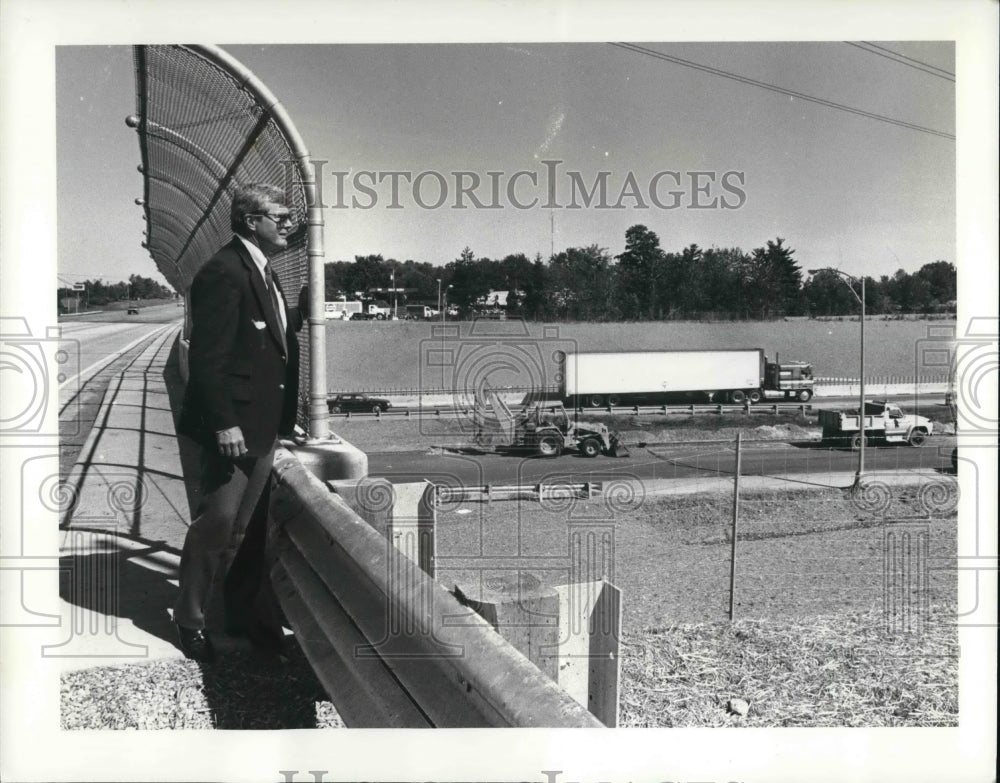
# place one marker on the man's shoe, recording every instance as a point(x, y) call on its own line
point(195, 644)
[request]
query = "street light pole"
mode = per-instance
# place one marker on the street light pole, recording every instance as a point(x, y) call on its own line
point(439, 296)
point(861, 452)
point(444, 302)
point(861, 402)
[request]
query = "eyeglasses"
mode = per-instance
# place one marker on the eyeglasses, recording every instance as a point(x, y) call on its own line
point(284, 219)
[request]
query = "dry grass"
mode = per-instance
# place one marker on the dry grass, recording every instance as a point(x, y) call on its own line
point(241, 691)
point(810, 647)
point(834, 670)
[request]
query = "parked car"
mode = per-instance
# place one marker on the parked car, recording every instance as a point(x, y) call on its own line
point(132, 311)
point(342, 403)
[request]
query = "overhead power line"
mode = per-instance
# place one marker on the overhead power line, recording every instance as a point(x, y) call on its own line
point(902, 59)
point(782, 90)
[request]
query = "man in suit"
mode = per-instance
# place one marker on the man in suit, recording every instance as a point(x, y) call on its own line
point(241, 394)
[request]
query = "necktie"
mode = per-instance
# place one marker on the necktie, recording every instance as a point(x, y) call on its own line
point(273, 291)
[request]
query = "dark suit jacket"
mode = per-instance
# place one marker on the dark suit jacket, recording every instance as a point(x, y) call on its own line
point(240, 374)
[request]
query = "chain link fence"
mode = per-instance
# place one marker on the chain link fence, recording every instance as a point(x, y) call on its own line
point(206, 126)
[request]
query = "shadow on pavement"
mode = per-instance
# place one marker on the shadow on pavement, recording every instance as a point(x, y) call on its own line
point(113, 578)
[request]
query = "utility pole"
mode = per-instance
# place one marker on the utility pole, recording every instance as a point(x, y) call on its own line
point(848, 279)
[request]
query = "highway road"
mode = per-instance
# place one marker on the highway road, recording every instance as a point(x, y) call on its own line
point(104, 344)
point(99, 346)
point(672, 461)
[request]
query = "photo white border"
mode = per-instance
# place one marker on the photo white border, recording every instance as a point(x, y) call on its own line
point(31, 745)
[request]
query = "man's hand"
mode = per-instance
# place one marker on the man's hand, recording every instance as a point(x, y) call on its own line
point(231, 442)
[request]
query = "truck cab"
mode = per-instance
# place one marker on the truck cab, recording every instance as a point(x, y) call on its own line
point(792, 379)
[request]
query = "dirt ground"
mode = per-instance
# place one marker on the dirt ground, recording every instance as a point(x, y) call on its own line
point(394, 433)
point(799, 553)
point(842, 617)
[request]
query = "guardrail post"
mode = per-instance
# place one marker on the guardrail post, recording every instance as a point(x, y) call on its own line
point(523, 611)
point(413, 523)
point(370, 499)
point(589, 633)
point(405, 514)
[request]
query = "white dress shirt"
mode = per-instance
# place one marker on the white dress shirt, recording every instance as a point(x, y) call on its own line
point(261, 261)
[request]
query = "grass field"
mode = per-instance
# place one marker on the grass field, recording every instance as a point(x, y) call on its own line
point(384, 354)
point(826, 633)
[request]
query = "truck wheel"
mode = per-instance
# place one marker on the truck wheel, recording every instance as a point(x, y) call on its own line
point(549, 446)
point(917, 438)
point(805, 395)
point(856, 441)
point(755, 396)
point(737, 397)
point(590, 447)
point(595, 400)
point(380, 317)
point(614, 399)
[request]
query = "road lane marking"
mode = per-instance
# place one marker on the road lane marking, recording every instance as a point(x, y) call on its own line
point(109, 359)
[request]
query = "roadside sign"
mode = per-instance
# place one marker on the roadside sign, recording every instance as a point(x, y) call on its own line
point(79, 287)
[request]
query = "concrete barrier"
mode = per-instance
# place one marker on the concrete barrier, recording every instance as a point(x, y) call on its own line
point(393, 647)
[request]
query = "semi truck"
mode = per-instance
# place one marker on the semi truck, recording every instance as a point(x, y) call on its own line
point(884, 422)
point(597, 379)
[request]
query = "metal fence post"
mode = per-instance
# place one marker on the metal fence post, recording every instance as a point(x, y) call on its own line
point(736, 519)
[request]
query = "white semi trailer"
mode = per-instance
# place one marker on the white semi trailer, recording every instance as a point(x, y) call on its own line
point(632, 377)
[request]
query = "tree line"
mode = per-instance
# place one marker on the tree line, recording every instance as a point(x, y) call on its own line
point(645, 283)
point(97, 292)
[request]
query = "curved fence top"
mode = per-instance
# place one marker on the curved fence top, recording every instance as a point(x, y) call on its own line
point(206, 126)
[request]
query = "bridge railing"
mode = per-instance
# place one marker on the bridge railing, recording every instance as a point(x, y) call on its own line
point(393, 647)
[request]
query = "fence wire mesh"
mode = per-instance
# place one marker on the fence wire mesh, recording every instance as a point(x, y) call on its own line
point(203, 132)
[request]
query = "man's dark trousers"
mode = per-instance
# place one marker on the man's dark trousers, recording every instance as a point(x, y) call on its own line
point(229, 528)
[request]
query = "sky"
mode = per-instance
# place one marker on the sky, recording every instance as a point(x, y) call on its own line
point(843, 190)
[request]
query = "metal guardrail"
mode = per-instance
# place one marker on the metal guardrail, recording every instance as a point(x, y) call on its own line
point(393, 648)
point(486, 493)
point(635, 410)
point(389, 391)
point(884, 380)
point(875, 380)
